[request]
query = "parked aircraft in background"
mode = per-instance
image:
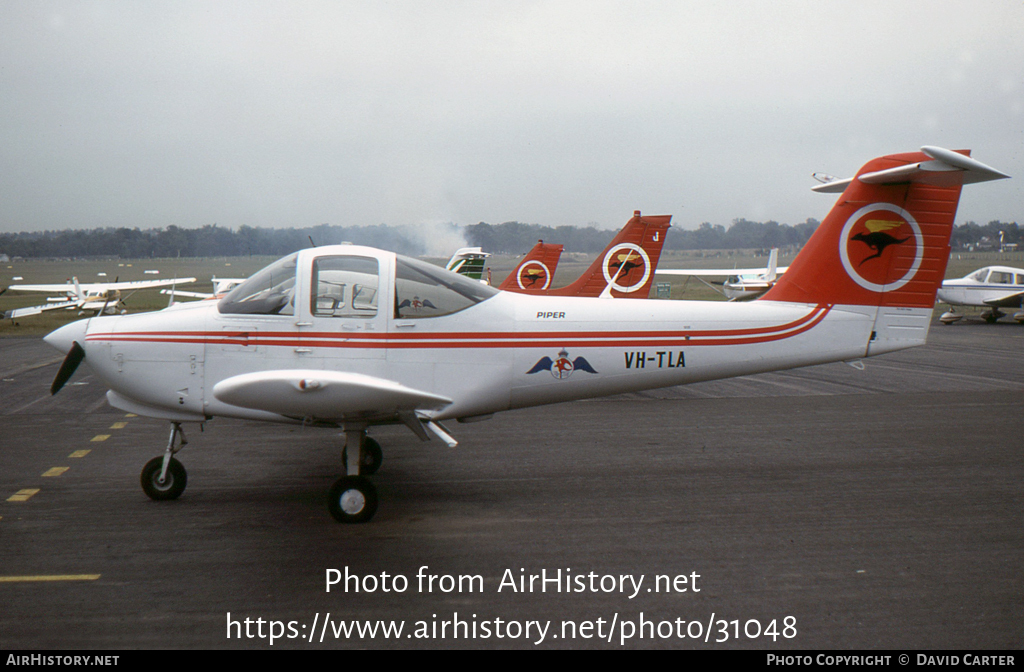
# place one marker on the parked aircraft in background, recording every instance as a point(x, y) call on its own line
point(992, 287)
point(343, 336)
point(533, 275)
point(103, 297)
point(469, 261)
point(740, 284)
point(624, 269)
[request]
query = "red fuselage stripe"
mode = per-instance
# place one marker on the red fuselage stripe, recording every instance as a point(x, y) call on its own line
point(477, 340)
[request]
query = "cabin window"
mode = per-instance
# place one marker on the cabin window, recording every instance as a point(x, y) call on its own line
point(268, 292)
point(425, 290)
point(1001, 278)
point(345, 286)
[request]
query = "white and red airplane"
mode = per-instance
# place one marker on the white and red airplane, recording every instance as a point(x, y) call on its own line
point(342, 336)
point(624, 269)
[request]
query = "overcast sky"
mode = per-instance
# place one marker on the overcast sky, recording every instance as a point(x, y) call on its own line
point(274, 114)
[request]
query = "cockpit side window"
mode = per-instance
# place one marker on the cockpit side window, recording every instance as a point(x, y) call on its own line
point(345, 286)
point(424, 290)
point(1001, 278)
point(268, 292)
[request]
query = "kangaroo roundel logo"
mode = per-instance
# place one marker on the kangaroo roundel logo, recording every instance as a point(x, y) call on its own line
point(533, 275)
point(621, 267)
point(869, 240)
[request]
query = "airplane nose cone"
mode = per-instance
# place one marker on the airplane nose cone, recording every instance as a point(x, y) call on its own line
point(63, 338)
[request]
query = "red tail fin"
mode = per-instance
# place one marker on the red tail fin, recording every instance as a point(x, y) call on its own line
point(886, 240)
point(626, 267)
point(534, 273)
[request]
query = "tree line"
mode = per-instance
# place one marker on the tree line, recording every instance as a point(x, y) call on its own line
point(507, 238)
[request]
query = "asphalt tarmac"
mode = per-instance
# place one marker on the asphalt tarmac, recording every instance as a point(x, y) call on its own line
point(820, 508)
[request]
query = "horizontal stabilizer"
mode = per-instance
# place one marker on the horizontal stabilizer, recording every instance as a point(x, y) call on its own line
point(324, 395)
point(944, 167)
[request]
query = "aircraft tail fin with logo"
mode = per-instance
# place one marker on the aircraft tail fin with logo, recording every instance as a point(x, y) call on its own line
point(534, 273)
point(626, 267)
point(886, 241)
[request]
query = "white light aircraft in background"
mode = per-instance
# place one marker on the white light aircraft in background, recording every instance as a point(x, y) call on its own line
point(105, 297)
point(341, 336)
point(992, 287)
point(741, 284)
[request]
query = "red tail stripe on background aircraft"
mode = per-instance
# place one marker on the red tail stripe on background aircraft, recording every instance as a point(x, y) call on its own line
point(351, 337)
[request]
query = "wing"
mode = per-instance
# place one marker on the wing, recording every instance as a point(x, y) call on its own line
point(136, 284)
point(93, 287)
point(711, 272)
point(1012, 300)
point(193, 295)
point(324, 395)
point(66, 287)
point(35, 310)
point(543, 365)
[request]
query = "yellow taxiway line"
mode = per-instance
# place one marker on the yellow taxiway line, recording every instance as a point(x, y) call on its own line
point(49, 577)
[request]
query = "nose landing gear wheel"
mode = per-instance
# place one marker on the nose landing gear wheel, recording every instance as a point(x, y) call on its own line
point(173, 484)
point(352, 499)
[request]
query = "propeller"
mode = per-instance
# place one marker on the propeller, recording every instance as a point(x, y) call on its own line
point(74, 357)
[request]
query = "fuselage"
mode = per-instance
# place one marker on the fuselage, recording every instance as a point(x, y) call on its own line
point(985, 287)
point(501, 352)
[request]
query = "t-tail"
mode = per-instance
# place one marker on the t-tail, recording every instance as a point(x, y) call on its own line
point(883, 248)
point(534, 273)
point(626, 267)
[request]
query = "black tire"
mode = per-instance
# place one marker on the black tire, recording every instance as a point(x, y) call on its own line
point(352, 499)
point(173, 485)
point(373, 456)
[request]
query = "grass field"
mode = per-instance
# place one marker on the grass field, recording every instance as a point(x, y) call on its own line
point(570, 267)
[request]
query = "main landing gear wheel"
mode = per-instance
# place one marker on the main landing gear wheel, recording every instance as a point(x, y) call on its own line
point(352, 499)
point(173, 484)
point(372, 457)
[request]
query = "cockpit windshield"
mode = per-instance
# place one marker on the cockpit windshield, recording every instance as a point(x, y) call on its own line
point(425, 290)
point(268, 292)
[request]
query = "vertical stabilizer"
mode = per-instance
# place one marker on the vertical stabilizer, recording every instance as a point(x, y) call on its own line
point(626, 267)
point(885, 243)
point(534, 273)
